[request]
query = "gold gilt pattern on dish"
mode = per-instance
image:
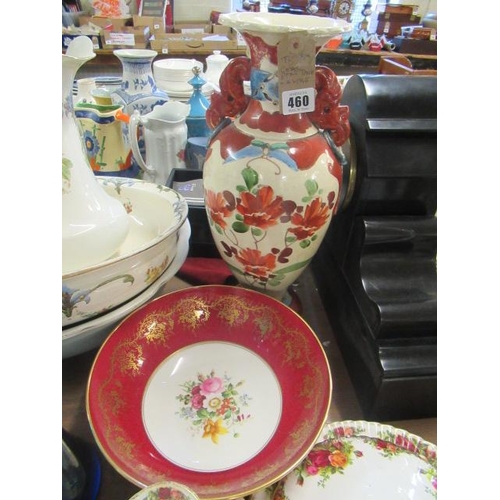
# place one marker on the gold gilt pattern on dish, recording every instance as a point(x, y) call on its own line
point(125, 447)
point(232, 310)
point(114, 400)
point(129, 360)
point(264, 325)
point(192, 313)
point(308, 387)
point(110, 395)
point(156, 328)
point(298, 435)
point(150, 475)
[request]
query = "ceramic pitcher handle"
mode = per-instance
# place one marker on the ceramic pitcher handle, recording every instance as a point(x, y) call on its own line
point(134, 122)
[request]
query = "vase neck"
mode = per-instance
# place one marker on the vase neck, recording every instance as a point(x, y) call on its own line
point(264, 106)
point(138, 75)
point(70, 66)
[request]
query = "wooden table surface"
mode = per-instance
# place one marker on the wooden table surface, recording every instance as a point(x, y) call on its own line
point(345, 406)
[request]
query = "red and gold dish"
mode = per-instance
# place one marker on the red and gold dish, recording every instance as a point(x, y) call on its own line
point(217, 387)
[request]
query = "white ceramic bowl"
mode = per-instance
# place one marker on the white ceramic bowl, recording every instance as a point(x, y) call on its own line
point(156, 215)
point(175, 69)
point(173, 86)
point(87, 335)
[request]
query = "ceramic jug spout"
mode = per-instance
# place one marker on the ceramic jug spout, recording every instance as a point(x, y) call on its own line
point(121, 116)
point(171, 111)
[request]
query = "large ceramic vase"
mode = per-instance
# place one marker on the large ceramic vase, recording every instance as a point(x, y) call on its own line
point(138, 91)
point(94, 224)
point(273, 176)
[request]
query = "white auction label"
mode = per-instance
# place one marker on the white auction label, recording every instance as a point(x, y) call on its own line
point(297, 101)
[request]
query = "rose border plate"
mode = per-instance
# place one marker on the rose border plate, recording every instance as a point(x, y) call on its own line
point(135, 351)
point(356, 458)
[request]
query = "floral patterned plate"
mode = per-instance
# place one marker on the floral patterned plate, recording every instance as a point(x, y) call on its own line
point(359, 460)
point(165, 490)
point(217, 387)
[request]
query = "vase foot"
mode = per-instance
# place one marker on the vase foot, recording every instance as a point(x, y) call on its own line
point(290, 298)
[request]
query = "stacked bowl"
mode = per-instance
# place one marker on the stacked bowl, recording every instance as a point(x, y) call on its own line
point(173, 75)
point(96, 297)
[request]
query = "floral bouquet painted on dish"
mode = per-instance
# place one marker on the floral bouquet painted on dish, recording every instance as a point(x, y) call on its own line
point(213, 405)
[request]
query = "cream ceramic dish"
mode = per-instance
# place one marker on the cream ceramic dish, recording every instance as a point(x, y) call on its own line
point(175, 69)
point(173, 86)
point(166, 490)
point(173, 75)
point(156, 214)
point(87, 335)
point(360, 460)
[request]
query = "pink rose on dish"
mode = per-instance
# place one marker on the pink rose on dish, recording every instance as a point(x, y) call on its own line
point(211, 385)
point(197, 401)
point(319, 458)
point(312, 470)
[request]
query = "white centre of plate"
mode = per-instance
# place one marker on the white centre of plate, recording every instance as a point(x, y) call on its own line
point(211, 406)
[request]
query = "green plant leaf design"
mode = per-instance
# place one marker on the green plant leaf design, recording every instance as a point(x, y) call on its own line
point(240, 227)
point(275, 281)
point(251, 177)
point(66, 169)
point(203, 413)
point(234, 269)
point(279, 146)
point(311, 187)
point(293, 267)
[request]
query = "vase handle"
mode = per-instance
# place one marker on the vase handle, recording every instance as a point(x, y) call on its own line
point(134, 122)
point(333, 119)
point(328, 114)
point(231, 100)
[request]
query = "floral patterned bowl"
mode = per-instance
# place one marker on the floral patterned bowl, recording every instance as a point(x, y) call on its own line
point(218, 387)
point(359, 460)
point(166, 490)
point(156, 215)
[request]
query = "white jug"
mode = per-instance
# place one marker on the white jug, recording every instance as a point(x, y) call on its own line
point(165, 134)
point(216, 63)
